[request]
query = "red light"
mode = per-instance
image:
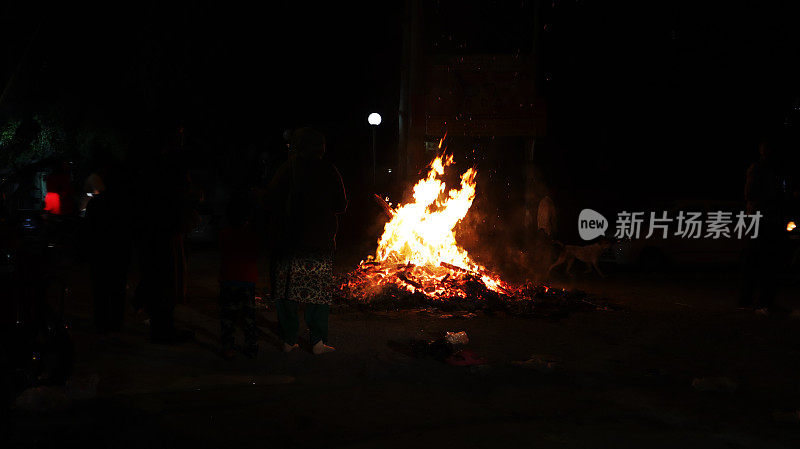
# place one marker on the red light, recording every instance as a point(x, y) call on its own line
point(52, 203)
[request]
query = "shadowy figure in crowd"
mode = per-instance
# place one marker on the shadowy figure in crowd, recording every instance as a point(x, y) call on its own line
point(109, 249)
point(239, 247)
point(762, 255)
point(94, 183)
point(272, 159)
point(165, 217)
point(546, 217)
point(304, 198)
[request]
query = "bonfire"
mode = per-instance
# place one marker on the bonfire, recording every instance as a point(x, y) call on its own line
point(419, 263)
point(418, 252)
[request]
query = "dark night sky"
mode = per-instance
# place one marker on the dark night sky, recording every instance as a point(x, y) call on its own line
point(672, 96)
point(234, 74)
point(668, 96)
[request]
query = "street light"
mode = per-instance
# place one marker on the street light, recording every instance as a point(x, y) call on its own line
point(374, 120)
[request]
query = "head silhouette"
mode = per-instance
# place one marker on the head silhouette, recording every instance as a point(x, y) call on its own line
point(308, 143)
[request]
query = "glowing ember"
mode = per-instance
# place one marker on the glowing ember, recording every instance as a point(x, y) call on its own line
point(418, 251)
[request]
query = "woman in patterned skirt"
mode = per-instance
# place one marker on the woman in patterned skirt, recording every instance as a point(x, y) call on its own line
point(304, 198)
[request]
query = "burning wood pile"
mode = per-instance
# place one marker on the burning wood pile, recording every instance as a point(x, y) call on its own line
point(441, 282)
point(419, 263)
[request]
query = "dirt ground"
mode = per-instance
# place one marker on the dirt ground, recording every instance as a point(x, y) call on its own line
point(619, 378)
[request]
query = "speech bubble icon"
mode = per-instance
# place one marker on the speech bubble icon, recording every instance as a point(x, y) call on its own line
point(591, 224)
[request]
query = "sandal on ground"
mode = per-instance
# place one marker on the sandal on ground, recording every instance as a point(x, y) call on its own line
point(322, 348)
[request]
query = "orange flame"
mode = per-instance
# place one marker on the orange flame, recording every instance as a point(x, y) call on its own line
point(422, 232)
point(418, 249)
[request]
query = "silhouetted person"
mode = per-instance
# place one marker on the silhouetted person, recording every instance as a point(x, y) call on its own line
point(239, 246)
point(762, 255)
point(164, 216)
point(305, 196)
point(109, 244)
point(546, 216)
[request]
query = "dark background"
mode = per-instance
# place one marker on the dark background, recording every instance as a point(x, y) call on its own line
point(646, 100)
point(233, 75)
point(672, 97)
